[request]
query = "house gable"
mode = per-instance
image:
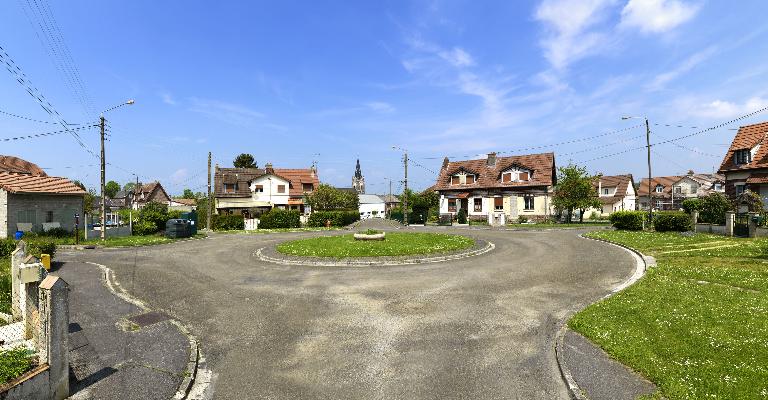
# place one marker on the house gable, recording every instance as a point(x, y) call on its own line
point(541, 169)
point(748, 150)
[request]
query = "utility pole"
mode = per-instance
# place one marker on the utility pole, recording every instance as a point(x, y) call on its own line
point(405, 190)
point(648, 146)
point(103, 177)
point(208, 220)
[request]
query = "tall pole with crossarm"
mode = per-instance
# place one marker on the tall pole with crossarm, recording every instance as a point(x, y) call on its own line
point(102, 123)
point(650, 176)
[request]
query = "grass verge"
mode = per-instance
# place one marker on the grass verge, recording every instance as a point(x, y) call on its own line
point(575, 225)
point(5, 286)
point(14, 362)
point(395, 244)
point(125, 241)
point(280, 230)
point(695, 325)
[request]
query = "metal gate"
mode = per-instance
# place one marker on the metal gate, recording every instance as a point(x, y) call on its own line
point(741, 225)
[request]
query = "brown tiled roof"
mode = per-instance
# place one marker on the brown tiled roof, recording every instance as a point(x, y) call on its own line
point(758, 178)
point(748, 137)
point(187, 202)
point(298, 177)
point(26, 183)
point(666, 181)
point(542, 167)
point(19, 166)
point(620, 182)
point(148, 189)
point(241, 176)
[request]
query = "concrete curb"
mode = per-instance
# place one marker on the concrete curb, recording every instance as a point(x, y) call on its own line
point(642, 263)
point(100, 247)
point(197, 377)
point(373, 263)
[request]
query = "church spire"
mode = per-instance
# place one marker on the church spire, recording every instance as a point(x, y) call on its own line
point(358, 173)
point(358, 181)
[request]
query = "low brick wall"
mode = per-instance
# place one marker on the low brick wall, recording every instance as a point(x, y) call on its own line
point(31, 385)
point(710, 228)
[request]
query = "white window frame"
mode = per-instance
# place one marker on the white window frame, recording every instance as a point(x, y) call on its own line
point(742, 157)
point(740, 188)
point(532, 205)
point(659, 189)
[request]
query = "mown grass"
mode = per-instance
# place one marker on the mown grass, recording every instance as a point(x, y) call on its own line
point(5, 286)
point(395, 244)
point(697, 324)
point(281, 230)
point(14, 362)
point(125, 241)
point(575, 225)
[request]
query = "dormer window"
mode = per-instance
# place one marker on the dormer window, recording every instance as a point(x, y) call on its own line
point(228, 188)
point(743, 156)
point(462, 179)
point(659, 189)
point(455, 180)
point(470, 179)
point(515, 176)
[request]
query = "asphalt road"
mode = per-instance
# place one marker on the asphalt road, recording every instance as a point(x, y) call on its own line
point(477, 328)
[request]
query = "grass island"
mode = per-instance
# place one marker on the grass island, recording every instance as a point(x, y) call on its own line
point(396, 244)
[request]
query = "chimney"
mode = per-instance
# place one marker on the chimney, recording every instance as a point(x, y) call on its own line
point(313, 170)
point(445, 163)
point(491, 162)
point(690, 172)
point(268, 169)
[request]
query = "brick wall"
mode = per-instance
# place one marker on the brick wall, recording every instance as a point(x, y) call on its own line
point(38, 208)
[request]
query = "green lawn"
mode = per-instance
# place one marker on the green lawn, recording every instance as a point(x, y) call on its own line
point(5, 286)
point(14, 362)
point(281, 230)
point(697, 324)
point(395, 244)
point(575, 225)
point(126, 241)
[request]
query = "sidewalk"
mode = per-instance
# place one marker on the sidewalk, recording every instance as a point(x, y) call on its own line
point(117, 350)
point(598, 375)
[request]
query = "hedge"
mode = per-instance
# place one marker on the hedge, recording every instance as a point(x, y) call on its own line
point(277, 218)
point(337, 218)
point(227, 222)
point(672, 221)
point(34, 247)
point(628, 220)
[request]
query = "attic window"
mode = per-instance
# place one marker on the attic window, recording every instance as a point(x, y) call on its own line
point(659, 189)
point(743, 156)
point(228, 188)
point(307, 187)
point(455, 180)
point(515, 176)
point(470, 179)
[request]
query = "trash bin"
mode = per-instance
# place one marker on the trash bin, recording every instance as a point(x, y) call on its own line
point(192, 218)
point(18, 235)
point(177, 228)
point(46, 260)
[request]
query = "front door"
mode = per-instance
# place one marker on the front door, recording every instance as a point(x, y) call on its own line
point(465, 205)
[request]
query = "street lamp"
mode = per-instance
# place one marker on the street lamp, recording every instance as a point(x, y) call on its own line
point(102, 122)
point(405, 183)
point(650, 177)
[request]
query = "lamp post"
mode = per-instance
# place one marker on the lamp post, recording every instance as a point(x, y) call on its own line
point(650, 177)
point(102, 122)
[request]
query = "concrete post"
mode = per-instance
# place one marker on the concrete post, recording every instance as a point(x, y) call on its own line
point(17, 257)
point(54, 334)
point(753, 224)
point(694, 219)
point(730, 218)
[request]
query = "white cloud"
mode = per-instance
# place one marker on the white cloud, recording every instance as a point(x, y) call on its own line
point(457, 57)
point(686, 66)
point(168, 99)
point(657, 16)
point(380, 106)
point(569, 24)
point(235, 114)
point(721, 109)
point(179, 175)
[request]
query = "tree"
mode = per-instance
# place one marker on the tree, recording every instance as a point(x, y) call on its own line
point(128, 187)
point(88, 202)
point(713, 208)
point(188, 194)
point(574, 191)
point(245, 160)
point(749, 199)
point(328, 198)
point(111, 189)
point(80, 185)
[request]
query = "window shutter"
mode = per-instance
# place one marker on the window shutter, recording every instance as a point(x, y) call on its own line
point(470, 179)
point(506, 177)
point(498, 201)
point(523, 176)
point(454, 180)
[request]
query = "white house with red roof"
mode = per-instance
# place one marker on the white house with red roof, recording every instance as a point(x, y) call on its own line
point(30, 200)
point(745, 165)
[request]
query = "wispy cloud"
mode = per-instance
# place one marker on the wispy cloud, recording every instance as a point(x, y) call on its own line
point(569, 24)
point(380, 107)
point(661, 80)
point(232, 113)
point(167, 98)
point(458, 57)
point(657, 16)
point(722, 109)
point(179, 175)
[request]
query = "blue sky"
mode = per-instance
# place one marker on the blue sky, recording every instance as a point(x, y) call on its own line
point(292, 82)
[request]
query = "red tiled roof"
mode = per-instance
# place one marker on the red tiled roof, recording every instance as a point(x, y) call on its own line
point(26, 183)
point(620, 182)
point(298, 177)
point(19, 166)
point(748, 137)
point(758, 178)
point(542, 167)
point(186, 202)
point(241, 176)
point(666, 181)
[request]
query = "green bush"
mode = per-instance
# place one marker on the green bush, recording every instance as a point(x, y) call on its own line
point(14, 362)
point(41, 246)
point(337, 218)
point(227, 222)
point(56, 233)
point(713, 208)
point(277, 218)
point(522, 219)
point(156, 213)
point(690, 205)
point(628, 220)
point(462, 216)
point(7, 246)
point(672, 221)
point(143, 228)
point(396, 215)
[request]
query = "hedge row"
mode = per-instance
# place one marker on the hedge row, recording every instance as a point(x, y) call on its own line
point(34, 247)
point(227, 222)
point(337, 218)
point(628, 220)
point(672, 221)
point(277, 218)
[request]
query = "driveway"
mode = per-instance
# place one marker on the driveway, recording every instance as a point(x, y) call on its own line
point(476, 328)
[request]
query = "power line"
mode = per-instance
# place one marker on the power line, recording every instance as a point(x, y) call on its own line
point(38, 135)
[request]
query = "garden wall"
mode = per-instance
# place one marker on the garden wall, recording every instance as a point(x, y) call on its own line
point(710, 228)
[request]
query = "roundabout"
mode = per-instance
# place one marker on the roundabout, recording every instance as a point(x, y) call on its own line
point(392, 248)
